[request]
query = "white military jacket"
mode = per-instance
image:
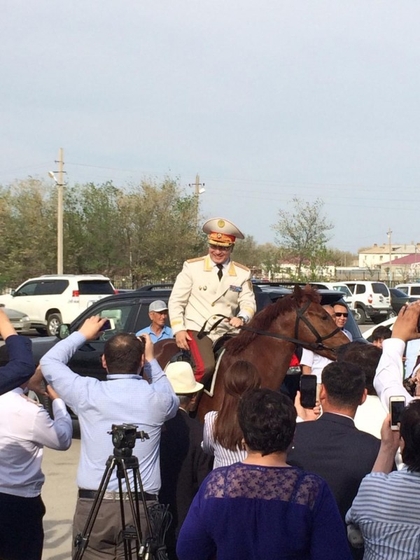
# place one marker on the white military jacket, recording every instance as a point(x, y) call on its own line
point(198, 295)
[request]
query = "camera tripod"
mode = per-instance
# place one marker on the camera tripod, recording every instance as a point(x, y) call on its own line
point(123, 461)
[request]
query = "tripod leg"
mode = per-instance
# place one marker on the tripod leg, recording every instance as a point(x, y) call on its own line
point(84, 537)
point(136, 533)
point(138, 481)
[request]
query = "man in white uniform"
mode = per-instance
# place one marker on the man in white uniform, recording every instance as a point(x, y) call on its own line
point(209, 286)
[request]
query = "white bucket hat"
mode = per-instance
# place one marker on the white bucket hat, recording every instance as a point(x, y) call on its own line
point(181, 377)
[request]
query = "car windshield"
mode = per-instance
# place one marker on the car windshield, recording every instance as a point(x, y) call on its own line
point(89, 287)
point(343, 289)
point(398, 293)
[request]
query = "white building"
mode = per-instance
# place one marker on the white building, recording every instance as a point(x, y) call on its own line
point(374, 257)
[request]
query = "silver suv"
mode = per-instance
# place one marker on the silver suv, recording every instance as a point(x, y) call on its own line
point(371, 300)
point(50, 300)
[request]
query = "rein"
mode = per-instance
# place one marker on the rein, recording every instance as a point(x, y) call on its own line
point(317, 345)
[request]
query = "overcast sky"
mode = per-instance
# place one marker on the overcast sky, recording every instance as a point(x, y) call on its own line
point(265, 100)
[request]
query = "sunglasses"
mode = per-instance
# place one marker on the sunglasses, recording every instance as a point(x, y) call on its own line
point(341, 314)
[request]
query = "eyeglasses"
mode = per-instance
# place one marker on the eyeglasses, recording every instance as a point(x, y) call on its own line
point(341, 314)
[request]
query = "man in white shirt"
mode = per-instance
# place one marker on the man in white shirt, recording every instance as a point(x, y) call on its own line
point(388, 380)
point(25, 427)
point(341, 313)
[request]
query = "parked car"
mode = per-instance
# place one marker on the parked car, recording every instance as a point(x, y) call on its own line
point(367, 335)
point(371, 300)
point(411, 290)
point(51, 300)
point(20, 321)
point(338, 286)
point(399, 299)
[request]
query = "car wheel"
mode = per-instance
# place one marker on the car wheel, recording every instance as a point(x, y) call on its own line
point(53, 324)
point(360, 316)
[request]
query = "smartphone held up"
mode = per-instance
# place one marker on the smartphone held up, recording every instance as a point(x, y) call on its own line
point(396, 406)
point(308, 390)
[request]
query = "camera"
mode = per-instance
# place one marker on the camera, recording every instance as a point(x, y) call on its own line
point(124, 438)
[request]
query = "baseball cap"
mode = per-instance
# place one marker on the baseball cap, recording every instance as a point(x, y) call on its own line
point(158, 306)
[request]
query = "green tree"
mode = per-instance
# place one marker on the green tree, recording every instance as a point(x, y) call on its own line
point(27, 231)
point(303, 232)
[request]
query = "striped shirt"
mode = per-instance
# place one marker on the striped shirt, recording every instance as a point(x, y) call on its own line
point(386, 510)
point(222, 457)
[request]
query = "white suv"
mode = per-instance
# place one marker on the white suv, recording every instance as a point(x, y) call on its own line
point(412, 290)
point(54, 299)
point(371, 300)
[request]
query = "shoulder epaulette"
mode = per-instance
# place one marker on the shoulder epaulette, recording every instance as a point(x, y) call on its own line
point(197, 259)
point(241, 266)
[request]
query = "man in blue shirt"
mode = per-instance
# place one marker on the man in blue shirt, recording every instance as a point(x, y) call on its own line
point(125, 397)
point(158, 330)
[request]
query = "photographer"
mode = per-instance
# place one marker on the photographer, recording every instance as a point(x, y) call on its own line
point(125, 397)
point(389, 376)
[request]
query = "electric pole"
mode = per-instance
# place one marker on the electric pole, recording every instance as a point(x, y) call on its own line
point(60, 184)
point(389, 233)
point(198, 189)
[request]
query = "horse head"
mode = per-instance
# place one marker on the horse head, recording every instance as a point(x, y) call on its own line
point(314, 326)
point(298, 318)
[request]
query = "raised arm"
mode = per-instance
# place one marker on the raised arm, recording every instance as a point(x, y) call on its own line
point(388, 380)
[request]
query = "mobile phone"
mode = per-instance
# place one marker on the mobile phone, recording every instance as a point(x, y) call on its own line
point(308, 390)
point(396, 406)
point(107, 325)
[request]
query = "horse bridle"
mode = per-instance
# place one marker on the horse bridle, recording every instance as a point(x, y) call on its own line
point(317, 345)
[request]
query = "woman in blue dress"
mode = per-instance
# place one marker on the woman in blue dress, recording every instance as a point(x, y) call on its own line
point(262, 508)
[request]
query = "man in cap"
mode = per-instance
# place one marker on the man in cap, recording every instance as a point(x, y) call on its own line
point(209, 286)
point(183, 463)
point(158, 313)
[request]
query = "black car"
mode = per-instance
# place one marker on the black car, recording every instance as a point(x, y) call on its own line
point(399, 299)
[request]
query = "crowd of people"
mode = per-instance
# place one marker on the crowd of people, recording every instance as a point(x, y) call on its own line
point(263, 478)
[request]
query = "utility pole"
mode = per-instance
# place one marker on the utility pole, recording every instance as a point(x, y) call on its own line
point(60, 184)
point(389, 233)
point(198, 189)
point(60, 213)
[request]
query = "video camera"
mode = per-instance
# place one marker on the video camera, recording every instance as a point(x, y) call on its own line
point(124, 438)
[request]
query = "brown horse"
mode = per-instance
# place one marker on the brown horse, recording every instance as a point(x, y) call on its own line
point(269, 341)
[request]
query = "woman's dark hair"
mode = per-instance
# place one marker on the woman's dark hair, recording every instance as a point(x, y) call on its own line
point(240, 377)
point(410, 432)
point(267, 420)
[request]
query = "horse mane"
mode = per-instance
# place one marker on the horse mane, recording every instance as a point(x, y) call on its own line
point(262, 320)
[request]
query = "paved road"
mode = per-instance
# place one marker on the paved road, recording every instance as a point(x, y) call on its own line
point(59, 495)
